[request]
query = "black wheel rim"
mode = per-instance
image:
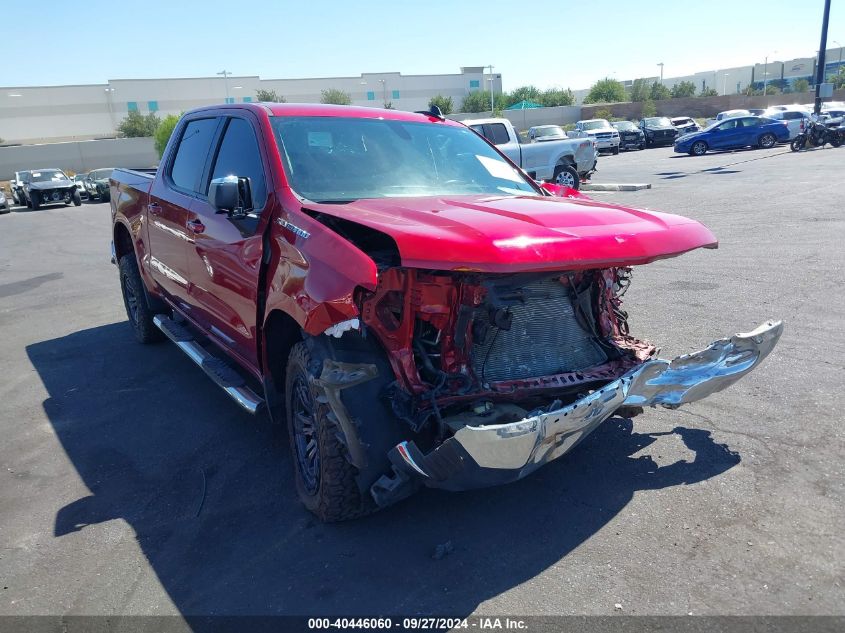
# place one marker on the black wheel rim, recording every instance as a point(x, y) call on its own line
point(305, 434)
point(768, 141)
point(131, 299)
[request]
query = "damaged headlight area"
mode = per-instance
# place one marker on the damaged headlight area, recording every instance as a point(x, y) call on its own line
point(494, 375)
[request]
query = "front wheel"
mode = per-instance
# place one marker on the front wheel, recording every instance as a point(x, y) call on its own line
point(135, 300)
point(77, 199)
point(767, 141)
point(797, 144)
point(34, 201)
point(699, 148)
point(567, 176)
point(325, 480)
point(616, 150)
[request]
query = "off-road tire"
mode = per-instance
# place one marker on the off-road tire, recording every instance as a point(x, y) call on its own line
point(573, 180)
point(336, 496)
point(135, 301)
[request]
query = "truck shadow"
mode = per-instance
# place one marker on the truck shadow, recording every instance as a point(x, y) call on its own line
point(209, 494)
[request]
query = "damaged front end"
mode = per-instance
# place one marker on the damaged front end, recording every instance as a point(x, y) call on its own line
point(494, 375)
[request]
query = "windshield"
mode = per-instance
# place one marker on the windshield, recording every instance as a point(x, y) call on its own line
point(79, 177)
point(595, 125)
point(338, 159)
point(100, 174)
point(658, 120)
point(625, 126)
point(681, 121)
point(46, 175)
point(548, 130)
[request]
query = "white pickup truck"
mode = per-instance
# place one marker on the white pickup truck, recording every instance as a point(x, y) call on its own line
point(564, 162)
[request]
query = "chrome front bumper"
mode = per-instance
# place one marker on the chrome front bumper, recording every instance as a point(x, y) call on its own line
point(478, 456)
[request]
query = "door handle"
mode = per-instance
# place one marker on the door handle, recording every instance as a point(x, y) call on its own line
point(196, 225)
point(154, 208)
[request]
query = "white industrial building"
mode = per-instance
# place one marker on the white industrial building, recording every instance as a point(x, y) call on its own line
point(729, 81)
point(35, 114)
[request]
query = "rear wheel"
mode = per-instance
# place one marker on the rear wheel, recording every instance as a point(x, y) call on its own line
point(135, 300)
point(767, 141)
point(325, 480)
point(567, 176)
point(836, 139)
point(699, 148)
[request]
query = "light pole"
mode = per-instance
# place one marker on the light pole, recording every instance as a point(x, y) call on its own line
point(661, 72)
point(109, 92)
point(766, 72)
point(226, 74)
point(383, 83)
point(490, 79)
point(725, 84)
point(839, 68)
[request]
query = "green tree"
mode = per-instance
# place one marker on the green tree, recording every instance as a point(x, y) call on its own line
point(749, 91)
point(479, 101)
point(523, 93)
point(658, 92)
point(606, 91)
point(772, 90)
point(335, 96)
point(683, 89)
point(640, 90)
point(164, 131)
point(136, 124)
point(649, 109)
point(270, 96)
point(444, 103)
point(838, 80)
point(708, 92)
point(557, 97)
point(800, 85)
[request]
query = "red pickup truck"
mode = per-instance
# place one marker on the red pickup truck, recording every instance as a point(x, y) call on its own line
point(415, 308)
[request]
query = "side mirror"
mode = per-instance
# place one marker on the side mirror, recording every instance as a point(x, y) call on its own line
point(230, 195)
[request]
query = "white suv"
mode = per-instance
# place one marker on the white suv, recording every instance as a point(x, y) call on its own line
point(605, 136)
point(793, 117)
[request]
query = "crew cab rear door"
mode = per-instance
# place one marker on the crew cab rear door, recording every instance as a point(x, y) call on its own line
point(173, 192)
point(224, 256)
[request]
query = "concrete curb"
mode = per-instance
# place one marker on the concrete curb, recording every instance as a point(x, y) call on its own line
point(591, 186)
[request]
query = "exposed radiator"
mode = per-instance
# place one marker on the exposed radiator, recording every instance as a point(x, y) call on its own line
point(545, 338)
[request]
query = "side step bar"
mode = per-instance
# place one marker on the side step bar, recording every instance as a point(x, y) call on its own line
point(221, 373)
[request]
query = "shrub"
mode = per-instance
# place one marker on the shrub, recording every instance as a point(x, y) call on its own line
point(708, 92)
point(640, 90)
point(335, 96)
point(801, 85)
point(659, 92)
point(164, 131)
point(271, 96)
point(683, 89)
point(523, 93)
point(479, 101)
point(649, 109)
point(603, 113)
point(136, 124)
point(606, 91)
point(444, 103)
point(557, 97)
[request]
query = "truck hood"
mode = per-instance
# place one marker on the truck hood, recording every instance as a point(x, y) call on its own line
point(51, 184)
point(519, 234)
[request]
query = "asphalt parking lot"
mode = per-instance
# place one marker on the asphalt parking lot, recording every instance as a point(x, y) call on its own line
point(132, 485)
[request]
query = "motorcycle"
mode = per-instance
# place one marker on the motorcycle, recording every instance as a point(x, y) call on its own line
point(817, 134)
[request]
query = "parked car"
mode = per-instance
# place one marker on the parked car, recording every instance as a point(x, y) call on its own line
point(835, 117)
point(79, 181)
point(605, 135)
point(16, 185)
point(727, 114)
point(97, 184)
point(793, 118)
point(543, 133)
point(565, 162)
point(734, 133)
point(630, 136)
point(5, 207)
point(756, 111)
point(658, 130)
point(416, 309)
point(685, 125)
point(48, 186)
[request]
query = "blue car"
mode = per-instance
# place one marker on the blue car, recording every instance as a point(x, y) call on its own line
point(744, 131)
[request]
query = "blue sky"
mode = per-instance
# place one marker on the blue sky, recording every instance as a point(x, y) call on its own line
point(529, 43)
